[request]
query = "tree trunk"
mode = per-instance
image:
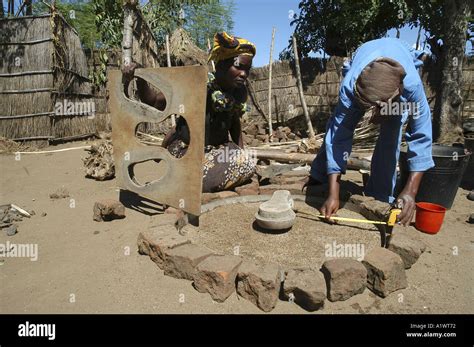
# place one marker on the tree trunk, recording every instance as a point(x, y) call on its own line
point(128, 20)
point(448, 113)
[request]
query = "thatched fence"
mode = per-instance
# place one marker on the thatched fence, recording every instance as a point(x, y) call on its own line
point(46, 94)
point(42, 66)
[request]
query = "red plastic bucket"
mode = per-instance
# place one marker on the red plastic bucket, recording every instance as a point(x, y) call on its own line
point(429, 217)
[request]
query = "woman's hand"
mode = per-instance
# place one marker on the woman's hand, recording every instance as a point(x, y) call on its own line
point(330, 207)
point(129, 72)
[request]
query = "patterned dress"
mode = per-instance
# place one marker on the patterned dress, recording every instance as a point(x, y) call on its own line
point(226, 165)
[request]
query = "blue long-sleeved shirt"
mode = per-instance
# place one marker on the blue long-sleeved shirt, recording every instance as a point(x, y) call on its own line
point(340, 128)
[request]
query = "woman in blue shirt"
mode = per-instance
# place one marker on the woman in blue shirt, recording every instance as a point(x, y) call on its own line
point(382, 78)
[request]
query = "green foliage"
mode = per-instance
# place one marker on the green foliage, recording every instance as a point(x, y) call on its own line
point(79, 14)
point(201, 18)
point(109, 22)
point(339, 26)
point(205, 20)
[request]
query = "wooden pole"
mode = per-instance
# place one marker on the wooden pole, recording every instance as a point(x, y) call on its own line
point(209, 48)
point(306, 158)
point(270, 129)
point(168, 61)
point(127, 43)
point(300, 89)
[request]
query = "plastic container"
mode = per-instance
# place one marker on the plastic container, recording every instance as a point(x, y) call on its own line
point(429, 217)
point(440, 183)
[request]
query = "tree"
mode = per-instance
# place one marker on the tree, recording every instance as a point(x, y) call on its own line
point(79, 14)
point(339, 26)
point(205, 20)
point(448, 108)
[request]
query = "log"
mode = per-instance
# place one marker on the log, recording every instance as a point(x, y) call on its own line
point(303, 158)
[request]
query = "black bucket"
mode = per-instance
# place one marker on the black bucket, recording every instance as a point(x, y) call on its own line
point(440, 183)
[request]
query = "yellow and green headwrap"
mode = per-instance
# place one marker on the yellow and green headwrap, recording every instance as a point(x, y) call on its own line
point(226, 46)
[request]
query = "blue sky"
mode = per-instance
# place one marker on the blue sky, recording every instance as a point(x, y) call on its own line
point(254, 20)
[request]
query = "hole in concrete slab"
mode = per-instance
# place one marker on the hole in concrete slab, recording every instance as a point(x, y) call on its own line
point(163, 134)
point(142, 91)
point(147, 172)
point(307, 244)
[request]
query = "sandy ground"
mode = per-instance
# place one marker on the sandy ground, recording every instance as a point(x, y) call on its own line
point(89, 267)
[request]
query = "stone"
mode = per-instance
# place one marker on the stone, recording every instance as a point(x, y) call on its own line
point(470, 196)
point(284, 179)
point(11, 230)
point(208, 197)
point(259, 283)
point(181, 261)
point(276, 213)
point(385, 271)
point(344, 278)
point(408, 248)
point(60, 193)
point(379, 209)
point(107, 210)
point(272, 188)
point(251, 129)
point(286, 130)
point(248, 189)
point(216, 275)
point(306, 287)
point(247, 139)
point(154, 242)
point(254, 143)
point(162, 219)
point(359, 199)
point(44, 214)
point(471, 219)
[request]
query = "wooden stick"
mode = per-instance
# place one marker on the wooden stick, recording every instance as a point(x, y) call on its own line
point(26, 91)
point(303, 158)
point(168, 61)
point(20, 210)
point(27, 115)
point(26, 73)
point(20, 8)
point(300, 89)
point(270, 129)
point(150, 136)
point(56, 150)
point(127, 42)
point(33, 42)
point(212, 61)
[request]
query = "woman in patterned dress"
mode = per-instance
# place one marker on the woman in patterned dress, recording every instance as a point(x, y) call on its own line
point(226, 163)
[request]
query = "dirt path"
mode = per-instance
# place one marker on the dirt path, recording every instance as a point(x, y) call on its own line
point(89, 267)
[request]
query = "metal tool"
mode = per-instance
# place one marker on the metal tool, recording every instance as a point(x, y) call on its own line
point(391, 219)
point(185, 92)
point(387, 232)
